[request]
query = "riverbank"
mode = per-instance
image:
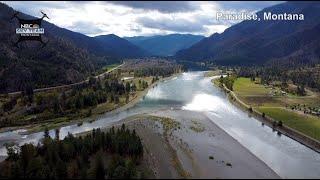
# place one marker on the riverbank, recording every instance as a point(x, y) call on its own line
point(186, 144)
point(61, 120)
point(94, 114)
point(265, 119)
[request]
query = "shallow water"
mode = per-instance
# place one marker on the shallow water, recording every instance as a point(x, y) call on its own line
point(193, 92)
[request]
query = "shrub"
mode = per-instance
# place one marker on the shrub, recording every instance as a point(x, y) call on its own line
point(274, 123)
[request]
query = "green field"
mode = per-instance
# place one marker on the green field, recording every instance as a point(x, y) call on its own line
point(306, 124)
point(244, 87)
point(259, 97)
point(106, 68)
point(110, 66)
point(213, 73)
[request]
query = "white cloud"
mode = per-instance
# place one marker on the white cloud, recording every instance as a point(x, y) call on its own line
point(137, 18)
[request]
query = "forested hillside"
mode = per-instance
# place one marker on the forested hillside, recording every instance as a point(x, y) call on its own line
point(255, 42)
point(58, 63)
point(68, 57)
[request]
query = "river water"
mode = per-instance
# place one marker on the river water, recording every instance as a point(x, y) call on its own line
point(193, 92)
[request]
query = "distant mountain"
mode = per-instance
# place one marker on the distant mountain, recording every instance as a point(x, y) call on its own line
point(255, 42)
point(137, 39)
point(110, 46)
point(120, 47)
point(165, 45)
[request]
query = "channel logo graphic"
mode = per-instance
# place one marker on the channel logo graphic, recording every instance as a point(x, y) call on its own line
point(30, 29)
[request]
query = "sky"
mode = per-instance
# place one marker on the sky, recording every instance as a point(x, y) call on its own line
point(139, 18)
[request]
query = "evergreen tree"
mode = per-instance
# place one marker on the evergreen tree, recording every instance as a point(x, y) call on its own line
point(57, 132)
point(128, 87)
point(46, 133)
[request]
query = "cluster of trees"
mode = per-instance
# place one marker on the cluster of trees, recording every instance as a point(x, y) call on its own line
point(248, 72)
point(154, 79)
point(98, 155)
point(8, 105)
point(228, 81)
point(301, 76)
point(315, 110)
point(143, 84)
point(156, 71)
point(152, 67)
point(27, 95)
point(55, 104)
point(109, 90)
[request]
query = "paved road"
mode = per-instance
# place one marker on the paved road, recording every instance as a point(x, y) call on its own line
point(67, 85)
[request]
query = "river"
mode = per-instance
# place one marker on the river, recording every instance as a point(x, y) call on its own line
point(192, 91)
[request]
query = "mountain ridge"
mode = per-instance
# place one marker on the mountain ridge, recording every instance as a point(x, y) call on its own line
point(68, 57)
point(120, 46)
point(164, 45)
point(248, 41)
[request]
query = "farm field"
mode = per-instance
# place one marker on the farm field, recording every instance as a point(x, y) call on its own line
point(307, 124)
point(285, 107)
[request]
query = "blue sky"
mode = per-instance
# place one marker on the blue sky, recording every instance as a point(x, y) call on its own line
point(136, 18)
